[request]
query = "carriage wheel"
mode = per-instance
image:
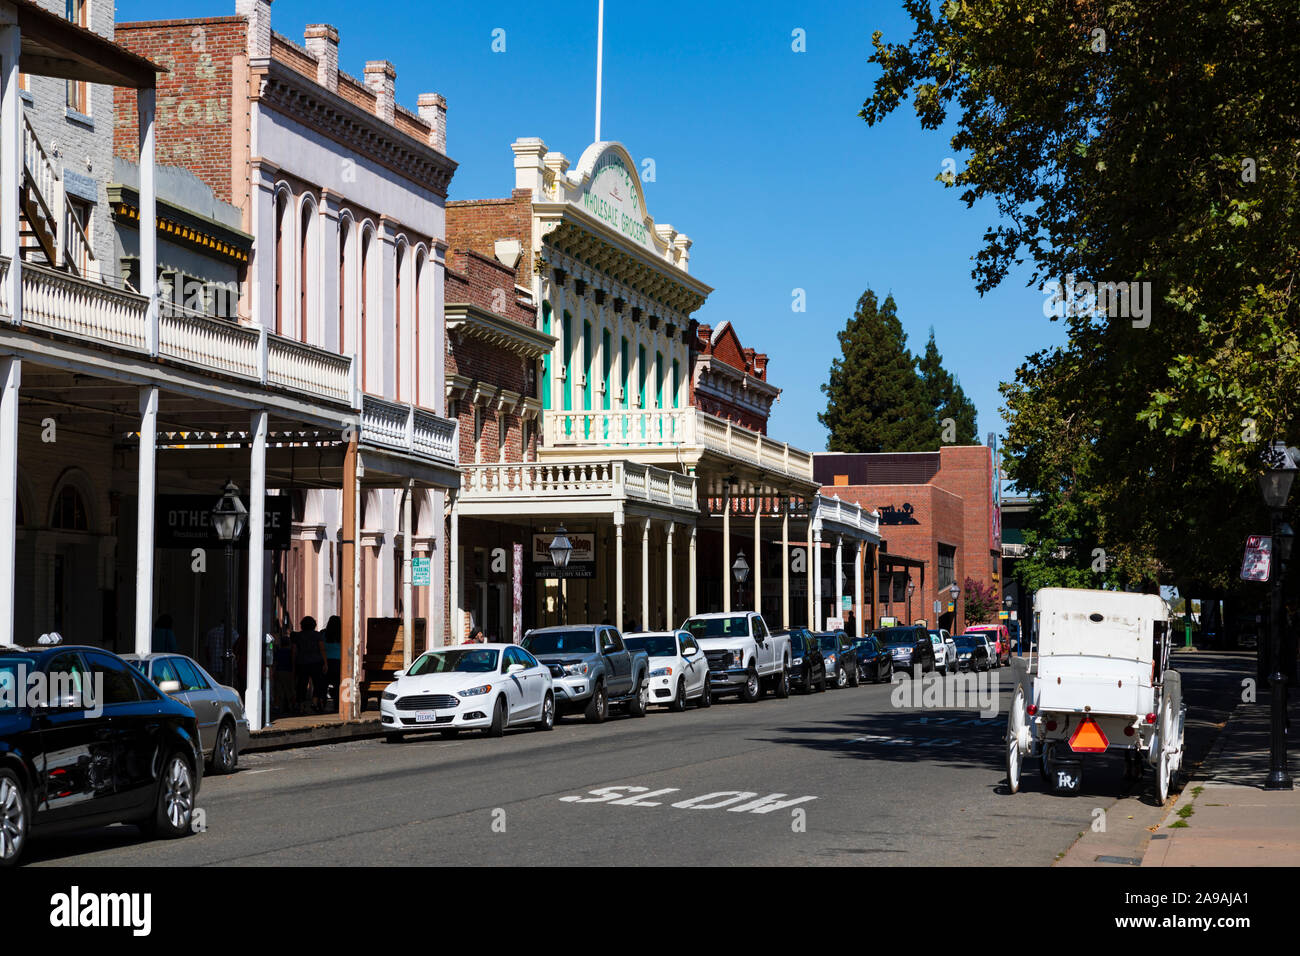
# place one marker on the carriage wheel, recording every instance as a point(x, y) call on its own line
point(1015, 730)
point(1164, 763)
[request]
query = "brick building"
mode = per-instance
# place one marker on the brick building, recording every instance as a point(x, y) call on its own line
point(936, 508)
point(729, 380)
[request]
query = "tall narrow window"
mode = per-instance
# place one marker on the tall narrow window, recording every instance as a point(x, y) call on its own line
point(640, 373)
point(363, 306)
point(607, 361)
point(78, 92)
point(280, 207)
point(546, 359)
point(399, 324)
point(659, 380)
point(304, 264)
point(344, 286)
point(676, 385)
point(567, 338)
point(587, 370)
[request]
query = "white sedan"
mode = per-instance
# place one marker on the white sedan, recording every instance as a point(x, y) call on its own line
point(679, 671)
point(486, 687)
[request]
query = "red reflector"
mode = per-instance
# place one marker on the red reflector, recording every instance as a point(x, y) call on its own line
point(1129, 731)
point(1051, 725)
point(1088, 738)
point(1033, 709)
point(1151, 718)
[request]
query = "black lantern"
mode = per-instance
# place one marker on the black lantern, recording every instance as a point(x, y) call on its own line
point(1275, 483)
point(561, 547)
point(740, 571)
point(229, 516)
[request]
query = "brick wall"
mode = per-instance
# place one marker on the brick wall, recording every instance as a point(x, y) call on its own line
point(967, 471)
point(476, 224)
point(194, 119)
point(727, 350)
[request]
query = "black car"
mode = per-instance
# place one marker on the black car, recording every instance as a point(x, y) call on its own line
point(908, 646)
point(972, 653)
point(86, 740)
point(841, 658)
point(874, 661)
point(807, 666)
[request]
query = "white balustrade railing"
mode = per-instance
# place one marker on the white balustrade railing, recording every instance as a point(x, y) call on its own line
point(405, 427)
point(307, 368)
point(847, 513)
point(62, 303)
point(207, 341)
point(42, 170)
point(6, 308)
point(559, 481)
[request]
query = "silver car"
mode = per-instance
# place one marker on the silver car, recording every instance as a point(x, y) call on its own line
point(223, 727)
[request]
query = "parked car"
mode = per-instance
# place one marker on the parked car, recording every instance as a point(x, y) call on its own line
point(945, 650)
point(841, 658)
point(592, 669)
point(486, 687)
point(745, 658)
point(807, 665)
point(874, 660)
point(1001, 640)
point(908, 646)
point(98, 745)
point(973, 653)
point(223, 726)
point(679, 671)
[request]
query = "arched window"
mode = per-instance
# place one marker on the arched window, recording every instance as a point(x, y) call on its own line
point(417, 316)
point(283, 229)
point(363, 306)
point(345, 287)
point(69, 512)
point(310, 325)
point(399, 325)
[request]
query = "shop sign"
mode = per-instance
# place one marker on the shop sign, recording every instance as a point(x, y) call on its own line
point(185, 521)
point(891, 515)
point(582, 560)
point(614, 197)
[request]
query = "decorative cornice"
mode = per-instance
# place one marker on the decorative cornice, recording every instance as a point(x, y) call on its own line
point(279, 87)
point(472, 321)
point(179, 225)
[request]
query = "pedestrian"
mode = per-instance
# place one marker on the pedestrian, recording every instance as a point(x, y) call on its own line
point(310, 666)
point(282, 688)
point(333, 638)
point(164, 638)
point(477, 637)
point(220, 654)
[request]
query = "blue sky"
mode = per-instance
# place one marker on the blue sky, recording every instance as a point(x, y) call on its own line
point(759, 157)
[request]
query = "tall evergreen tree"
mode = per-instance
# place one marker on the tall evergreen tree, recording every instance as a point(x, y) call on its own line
point(945, 396)
point(875, 400)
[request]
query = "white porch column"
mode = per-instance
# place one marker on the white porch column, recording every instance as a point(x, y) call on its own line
point(857, 590)
point(408, 607)
point(785, 562)
point(253, 634)
point(618, 571)
point(758, 551)
point(11, 173)
point(839, 575)
point(144, 100)
point(668, 577)
point(456, 626)
point(645, 575)
point(145, 487)
point(816, 569)
point(10, 379)
point(726, 551)
point(692, 585)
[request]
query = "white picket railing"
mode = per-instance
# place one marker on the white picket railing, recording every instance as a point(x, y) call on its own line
point(846, 514)
point(552, 482)
point(206, 341)
point(72, 245)
point(407, 428)
point(307, 368)
point(63, 303)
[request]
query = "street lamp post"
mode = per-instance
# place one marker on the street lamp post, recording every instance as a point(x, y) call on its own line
point(955, 591)
point(229, 517)
point(561, 548)
point(1275, 486)
point(740, 571)
point(910, 588)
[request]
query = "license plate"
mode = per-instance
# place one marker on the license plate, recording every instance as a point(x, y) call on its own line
point(426, 716)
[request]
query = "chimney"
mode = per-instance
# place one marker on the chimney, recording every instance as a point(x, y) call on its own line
point(258, 15)
point(322, 42)
point(433, 110)
point(529, 168)
point(381, 79)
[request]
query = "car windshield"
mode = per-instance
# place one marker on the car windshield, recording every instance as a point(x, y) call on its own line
point(718, 626)
point(561, 642)
point(936, 637)
point(796, 643)
point(895, 635)
point(865, 643)
point(659, 645)
point(827, 642)
point(478, 660)
point(14, 675)
point(967, 641)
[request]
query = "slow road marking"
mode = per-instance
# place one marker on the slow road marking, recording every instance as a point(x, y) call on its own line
point(735, 801)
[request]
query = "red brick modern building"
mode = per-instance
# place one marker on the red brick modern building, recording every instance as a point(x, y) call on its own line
point(936, 508)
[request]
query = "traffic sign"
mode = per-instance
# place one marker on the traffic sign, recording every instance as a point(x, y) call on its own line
point(1257, 562)
point(420, 575)
point(1089, 739)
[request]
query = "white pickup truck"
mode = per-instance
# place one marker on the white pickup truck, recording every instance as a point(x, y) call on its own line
point(744, 656)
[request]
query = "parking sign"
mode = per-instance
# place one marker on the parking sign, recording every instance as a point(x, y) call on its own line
point(1258, 560)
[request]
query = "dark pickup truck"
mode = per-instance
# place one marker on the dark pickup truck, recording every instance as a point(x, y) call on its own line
point(592, 669)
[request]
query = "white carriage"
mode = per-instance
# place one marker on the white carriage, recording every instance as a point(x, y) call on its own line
point(1099, 682)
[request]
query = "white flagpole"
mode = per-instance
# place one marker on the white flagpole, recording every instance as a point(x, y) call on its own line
point(600, 53)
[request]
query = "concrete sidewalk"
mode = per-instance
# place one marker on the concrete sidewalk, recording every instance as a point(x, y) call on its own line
point(312, 730)
point(1230, 820)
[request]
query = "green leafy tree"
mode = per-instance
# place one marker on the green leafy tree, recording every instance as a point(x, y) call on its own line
point(954, 413)
point(875, 401)
point(1136, 143)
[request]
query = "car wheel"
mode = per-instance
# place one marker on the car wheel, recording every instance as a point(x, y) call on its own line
point(598, 707)
point(548, 714)
point(225, 755)
point(750, 690)
point(498, 719)
point(841, 678)
point(855, 678)
point(821, 682)
point(394, 737)
point(678, 703)
point(637, 706)
point(782, 684)
point(175, 807)
point(14, 818)
point(706, 698)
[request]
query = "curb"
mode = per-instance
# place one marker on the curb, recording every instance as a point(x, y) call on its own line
point(264, 741)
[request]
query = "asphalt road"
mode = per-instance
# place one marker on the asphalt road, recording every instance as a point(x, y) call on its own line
point(874, 783)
